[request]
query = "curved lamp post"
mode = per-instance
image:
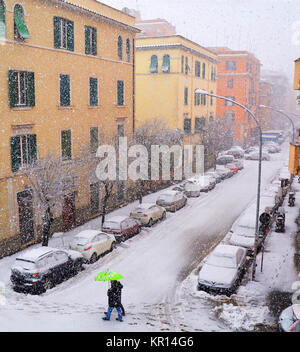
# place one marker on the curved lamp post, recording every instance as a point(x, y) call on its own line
point(284, 114)
point(200, 91)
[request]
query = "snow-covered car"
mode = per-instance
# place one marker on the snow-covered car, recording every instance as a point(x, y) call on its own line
point(192, 189)
point(289, 319)
point(217, 176)
point(92, 244)
point(224, 172)
point(255, 156)
point(148, 213)
point(224, 159)
point(236, 153)
point(222, 270)
point(233, 167)
point(239, 163)
point(207, 183)
point(251, 149)
point(274, 145)
point(122, 227)
point(270, 149)
point(40, 269)
point(171, 200)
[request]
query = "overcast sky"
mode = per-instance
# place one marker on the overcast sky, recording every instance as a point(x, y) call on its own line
point(268, 28)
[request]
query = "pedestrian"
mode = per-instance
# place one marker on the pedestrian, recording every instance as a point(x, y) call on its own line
point(113, 302)
point(119, 287)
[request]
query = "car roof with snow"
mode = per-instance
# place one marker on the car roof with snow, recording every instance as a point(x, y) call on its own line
point(168, 193)
point(144, 206)
point(88, 233)
point(33, 254)
point(119, 218)
point(226, 250)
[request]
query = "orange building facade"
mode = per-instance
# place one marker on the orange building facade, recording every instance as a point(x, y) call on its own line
point(238, 79)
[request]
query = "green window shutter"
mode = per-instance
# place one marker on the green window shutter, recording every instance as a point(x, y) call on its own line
point(66, 145)
point(30, 91)
point(15, 153)
point(65, 98)
point(56, 26)
point(166, 64)
point(186, 92)
point(32, 151)
point(94, 141)
point(87, 40)
point(93, 91)
point(2, 20)
point(70, 35)
point(128, 49)
point(154, 64)
point(20, 23)
point(120, 47)
point(12, 86)
point(94, 41)
point(120, 93)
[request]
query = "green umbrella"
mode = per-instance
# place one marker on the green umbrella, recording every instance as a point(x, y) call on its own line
point(108, 276)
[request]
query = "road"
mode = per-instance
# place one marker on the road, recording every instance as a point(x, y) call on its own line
point(152, 264)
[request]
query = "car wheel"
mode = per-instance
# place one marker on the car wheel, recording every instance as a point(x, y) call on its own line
point(93, 258)
point(150, 223)
point(113, 246)
point(48, 284)
point(164, 216)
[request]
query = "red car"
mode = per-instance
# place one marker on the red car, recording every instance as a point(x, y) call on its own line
point(122, 227)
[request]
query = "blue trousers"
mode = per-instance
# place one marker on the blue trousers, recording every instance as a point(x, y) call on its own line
point(110, 309)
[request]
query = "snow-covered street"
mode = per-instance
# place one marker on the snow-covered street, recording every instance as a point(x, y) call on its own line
point(152, 263)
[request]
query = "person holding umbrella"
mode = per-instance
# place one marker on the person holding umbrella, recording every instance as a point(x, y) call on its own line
point(114, 301)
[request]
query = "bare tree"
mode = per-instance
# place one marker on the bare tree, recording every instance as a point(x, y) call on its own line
point(219, 136)
point(51, 178)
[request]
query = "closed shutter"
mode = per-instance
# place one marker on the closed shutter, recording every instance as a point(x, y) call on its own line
point(66, 145)
point(93, 91)
point(65, 99)
point(94, 41)
point(12, 87)
point(56, 26)
point(87, 40)
point(20, 23)
point(30, 91)
point(120, 93)
point(153, 64)
point(2, 20)
point(166, 64)
point(70, 35)
point(15, 153)
point(120, 47)
point(94, 141)
point(32, 151)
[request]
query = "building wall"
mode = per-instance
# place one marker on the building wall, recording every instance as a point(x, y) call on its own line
point(265, 98)
point(297, 75)
point(47, 118)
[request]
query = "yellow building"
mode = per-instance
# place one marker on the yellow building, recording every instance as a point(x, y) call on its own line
point(66, 78)
point(169, 69)
point(297, 75)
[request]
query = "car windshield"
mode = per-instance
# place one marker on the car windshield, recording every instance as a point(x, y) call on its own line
point(24, 264)
point(80, 241)
point(114, 225)
point(220, 261)
point(166, 197)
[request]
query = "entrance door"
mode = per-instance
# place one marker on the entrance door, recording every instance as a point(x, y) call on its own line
point(26, 224)
point(68, 211)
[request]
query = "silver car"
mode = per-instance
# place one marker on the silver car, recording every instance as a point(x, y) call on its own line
point(172, 200)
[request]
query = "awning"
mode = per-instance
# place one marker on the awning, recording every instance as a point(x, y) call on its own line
point(21, 26)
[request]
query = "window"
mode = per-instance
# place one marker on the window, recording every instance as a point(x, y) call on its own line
point(203, 99)
point(166, 63)
point(187, 67)
point(229, 103)
point(211, 99)
point(187, 126)
point(203, 70)
point(90, 40)
point(2, 20)
point(120, 93)
point(23, 151)
point(230, 83)
point(128, 50)
point(120, 47)
point(186, 96)
point(93, 91)
point(211, 119)
point(120, 130)
point(197, 69)
point(230, 65)
point(21, 88)
point(197, 98)
point(95, 198)
point(182, 64)
point(94, 140)
point(199, 124)
point(154, 64)
point(213, 73)
point(66, 145)
point(65, 96)
point(63, 34)
point(20, 29)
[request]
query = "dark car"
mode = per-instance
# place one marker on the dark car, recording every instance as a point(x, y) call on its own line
point(42, 268)
point(122, 227)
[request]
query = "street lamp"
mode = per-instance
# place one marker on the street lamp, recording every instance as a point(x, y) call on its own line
point(201, 91)
point(284, 114)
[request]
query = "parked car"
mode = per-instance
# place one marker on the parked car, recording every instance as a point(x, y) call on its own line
point(225, 159)
point(223, 270)
point(289, 319)
point(236, 153)
point(92, 244)
point(217, 176)
point(255, 156)
point(233, 167)
point(192, 189)
point(274, 145)
point(40, 269)
point(251, 149)
point(122, 227)
point(207, 183)
point(239, 163)
point(224, 172)
point(148, 213)
point(172, 200)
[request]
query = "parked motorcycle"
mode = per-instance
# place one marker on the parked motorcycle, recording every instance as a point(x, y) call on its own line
point(291, 199)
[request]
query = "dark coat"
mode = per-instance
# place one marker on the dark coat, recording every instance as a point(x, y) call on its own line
point(114, 298)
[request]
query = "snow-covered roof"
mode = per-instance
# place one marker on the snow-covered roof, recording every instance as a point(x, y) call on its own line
point(87, 233)
point(35, 253)
point(225, 250)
